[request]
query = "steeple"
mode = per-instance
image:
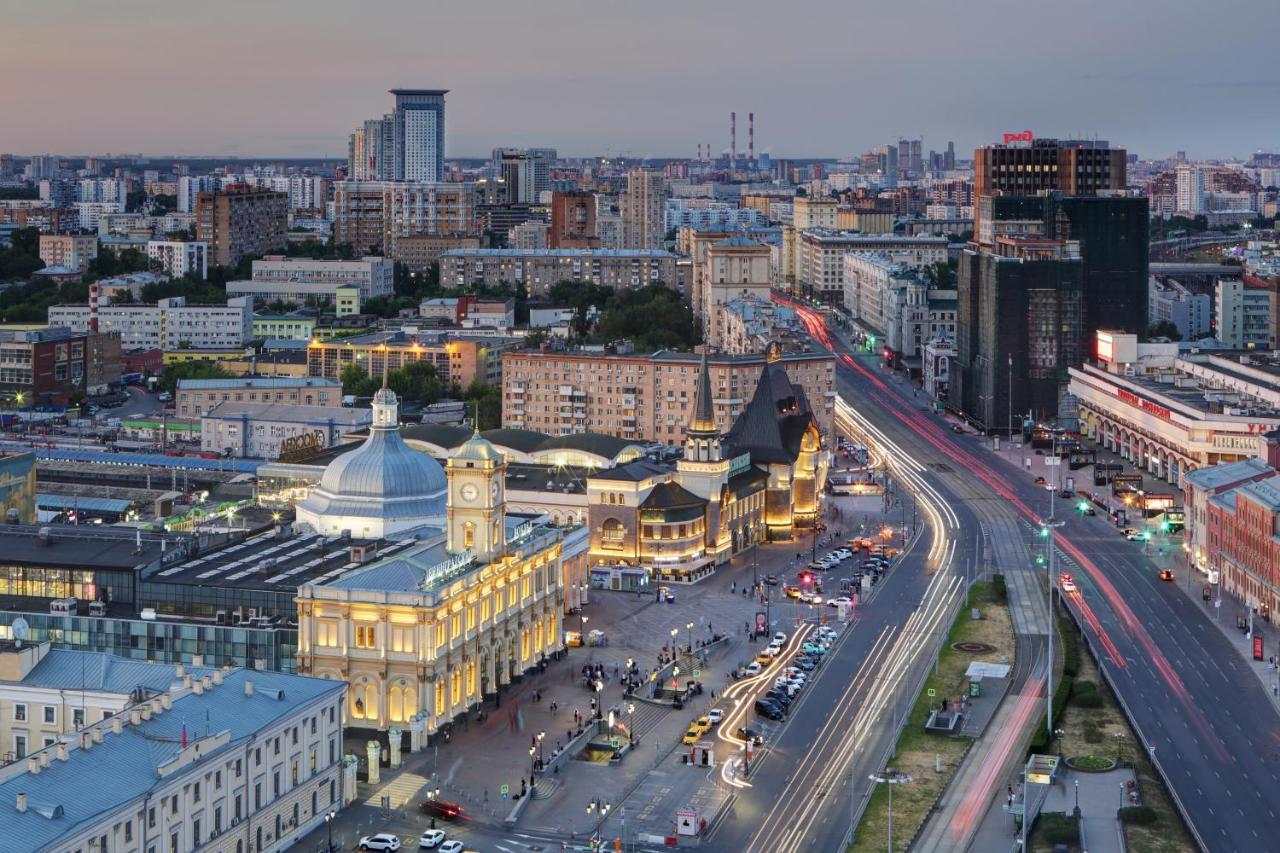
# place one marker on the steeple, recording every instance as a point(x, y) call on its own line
point(703, 422)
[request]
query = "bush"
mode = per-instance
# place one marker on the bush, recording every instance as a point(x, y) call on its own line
point(1059, 828)
point(1070, 646)
point(1087, 700)
point(1040, 743)
point(1092, 762)
point(1138, 815)
point(1001, 591)
point(1085, 686)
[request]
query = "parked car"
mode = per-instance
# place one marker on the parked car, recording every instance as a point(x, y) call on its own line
point(431, 839)
point(769, 710)
point(806, 664)
point(779, 638)
point(749, 734)
point(381, 841)
point(751, 669)
point(715, 715)
point(814, 649)
point(454, 846)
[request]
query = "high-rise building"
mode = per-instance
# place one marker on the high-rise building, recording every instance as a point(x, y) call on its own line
point(369, 155)
point(418, 138)
point(526, 172)
point(733, 268)
point(1190, 189)
point(189, 186)
point(239, 221)
point(910, 158)
point(573, 221)
point(644, 210)
point(1025, 167)
point(373, 216)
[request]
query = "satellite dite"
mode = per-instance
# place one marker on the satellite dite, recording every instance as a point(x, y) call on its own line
point(20, 630)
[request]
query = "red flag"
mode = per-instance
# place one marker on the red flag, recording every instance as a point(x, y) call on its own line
point(184, 734)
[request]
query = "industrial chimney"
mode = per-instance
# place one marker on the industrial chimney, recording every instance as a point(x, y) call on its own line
point(751, 140)
point(93, 307)
point(733, 140)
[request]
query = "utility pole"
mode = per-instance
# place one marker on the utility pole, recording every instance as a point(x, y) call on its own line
point(1049, 528)
point(1010, 398)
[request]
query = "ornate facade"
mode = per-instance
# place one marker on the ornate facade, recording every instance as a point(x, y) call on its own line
point(432, 632)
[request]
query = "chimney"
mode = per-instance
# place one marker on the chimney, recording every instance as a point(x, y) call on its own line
point(198, 688)
point(179, 670)
point(156, 707)
point(733, 139)
point(135, 717)
point(22, 802)
point(85, 740)
point(97, 734)
point(207, 681)
point(186, 682)
point(248, 687)
point(62, 751)
point(146, 712)
point(217, 676)
point(751, 139)
point(33, 765)
point(93, 308)
point(44, 758)
point(166, 701)
point(117, 725)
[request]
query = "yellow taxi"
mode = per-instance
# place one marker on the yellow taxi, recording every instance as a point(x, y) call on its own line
point(702, 724)
point(692, 736)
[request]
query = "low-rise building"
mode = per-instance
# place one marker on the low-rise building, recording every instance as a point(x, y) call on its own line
point(50, 365)
point(374, 276)
point(539, 269)
point(750, 324)
point(1205, 484)
point(418, 252)
point(195, 397)
point(239, 759)
point(293, 326)
point(1169, 302)
point(73, 251)
point(459, 359)
point(1242, 314)
point(170, 324)
point(270, 430)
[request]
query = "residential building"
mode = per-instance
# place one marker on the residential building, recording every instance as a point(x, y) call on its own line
point(420, 251)
point(193, 398)
point(272, 430)
point(374, 276)
point(809, 212)
point(190, 187)
point(48, 366)
point(643, 210)
point(705, 215)
point(645, 397)
point(539, 269)
point(73, 251)
point(240, 759)
point(1190, 313)
point(939, 354)
point(170, 324)
point(1190, 189)
point(373, 216)
point(452, 621)
point(457, 358)
point(749, 324)
point(237, 221)
point(1026, 167)
point(179, 257)
point(1242, 314)
point(525, 171)
point(868, 276)
point(732, 269)
point(1204, 484)
point(418, 141)
point(820, 256)
point(528, 235)
point(293, 326)
point(573, 221)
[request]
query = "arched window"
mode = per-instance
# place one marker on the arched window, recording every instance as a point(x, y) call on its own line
point(395, 710)
point(612, 532)
point(468, 535)
point(371, 702)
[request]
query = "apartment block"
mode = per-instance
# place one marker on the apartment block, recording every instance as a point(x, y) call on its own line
point(820, 256)
point(179, 258)
point(374, 276)
point(240, 221)
point(645, 397)
point(539, 269)
point(373, 216)
point(457, 359)
point(170, 324)
point(194, 397)
point(73, 251)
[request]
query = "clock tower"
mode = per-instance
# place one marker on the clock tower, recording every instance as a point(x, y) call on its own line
point(477, 500)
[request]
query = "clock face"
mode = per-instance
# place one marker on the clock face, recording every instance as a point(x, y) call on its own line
point(469, 492)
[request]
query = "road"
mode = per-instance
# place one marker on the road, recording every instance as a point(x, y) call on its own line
point(1204, 717)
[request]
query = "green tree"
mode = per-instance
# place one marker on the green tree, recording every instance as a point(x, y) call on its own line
point(22, 257)
point(1164, 329)
point(486, 401)
point(191, 370)
point(356, 382)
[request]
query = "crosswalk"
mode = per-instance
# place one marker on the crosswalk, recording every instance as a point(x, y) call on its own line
point(402, 789)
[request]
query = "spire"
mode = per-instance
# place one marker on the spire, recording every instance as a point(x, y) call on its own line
point(704, 419)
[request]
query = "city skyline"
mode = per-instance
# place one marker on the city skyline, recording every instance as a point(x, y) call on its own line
point(292, 81)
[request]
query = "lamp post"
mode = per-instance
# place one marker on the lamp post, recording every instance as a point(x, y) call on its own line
point(631, 723)
point(1047, 531)
point(599, 687)
point(674, 632)
point(582, 627)
point(541, 735)
point(689, 633)
point(890, 777)
point(533, 767)
point(328, 825)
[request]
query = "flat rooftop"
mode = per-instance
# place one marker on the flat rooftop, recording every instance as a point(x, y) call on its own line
point(273, 562)
point(90, 546)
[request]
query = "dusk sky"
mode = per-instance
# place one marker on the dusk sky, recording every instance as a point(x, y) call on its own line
point(825, 78)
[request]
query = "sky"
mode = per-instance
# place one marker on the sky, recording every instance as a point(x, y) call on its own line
point(825, 78)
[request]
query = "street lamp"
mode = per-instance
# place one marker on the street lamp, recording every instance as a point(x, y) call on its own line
point(582, 627)
point(674, 632)
point(890, 777)
point(631, 723)
point(328, 825)
point(541, 735)
point(533, 767)
point(1048, 531)
point(689, 631)
point(599, 687)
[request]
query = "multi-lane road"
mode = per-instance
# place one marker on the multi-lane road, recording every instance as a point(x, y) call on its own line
point(1197, 707)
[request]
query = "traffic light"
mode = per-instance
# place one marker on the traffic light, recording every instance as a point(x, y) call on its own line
point(1044, 532)
point(1146, 536)
point(1039, 559)
point(806, 579)
point(1082, 507)
point(1164, 526)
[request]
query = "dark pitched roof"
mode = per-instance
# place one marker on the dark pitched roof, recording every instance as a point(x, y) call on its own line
point(640, 469)
point(671, 496)
point(771, 426)
point(704, 417)
point(746, 482)
point(598, 443)
point(441, 435)
point(523, 440)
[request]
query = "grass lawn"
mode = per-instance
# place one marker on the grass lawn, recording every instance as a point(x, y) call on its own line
point(917, 750)
point(1104, 732)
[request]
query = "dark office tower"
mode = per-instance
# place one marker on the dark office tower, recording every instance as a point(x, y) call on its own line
point(1019, 327)
point(949, 162)
point(1025, 166)
point(418, 150)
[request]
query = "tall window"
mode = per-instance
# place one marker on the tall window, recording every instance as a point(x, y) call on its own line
point(327, 633)
point(366, 636)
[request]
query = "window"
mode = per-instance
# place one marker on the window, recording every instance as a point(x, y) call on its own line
point(327, 633)
point(195, 792)
point(365, 636)
point(20, 713)
point(50, 714)
point(128, 831)
point(77, 717)
point(151, 817)
point(275, 784)
point(19, 746)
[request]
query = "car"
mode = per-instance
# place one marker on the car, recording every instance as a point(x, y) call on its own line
point(454, 846)
point(807, 665)
point(1166, 574)
point(381, 841)
point(816, 649)
point(826, 633)
point(751, 669)
point(764, 658)
point(749, 734)
point(771, 580)
point(1040, 481)
point(957, 429)
point(1067, 582)
point(431, 839)
point(1132, 535)
point(769, 710)
point(691, 737)
point(780, 637)
point(444, 809)
point(779, 697)
point(840, 600)
point(702, 724)
point(791, 591)
point(715, 715)
point(810, 598)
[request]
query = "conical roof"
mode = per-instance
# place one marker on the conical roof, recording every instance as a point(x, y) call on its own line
point(703, 421)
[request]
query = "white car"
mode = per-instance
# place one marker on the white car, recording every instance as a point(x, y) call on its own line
point(779, 638)
point(840, 600)
point(773, 650)
point(751, 669)
point(454, 846)
point(826, 633)
point(381, 841)
point(810, 598)
point(715, 715)
point(431, 839)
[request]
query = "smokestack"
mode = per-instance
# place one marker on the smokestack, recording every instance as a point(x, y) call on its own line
point(93, 307)
point(751, 139)
point(733, 139)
